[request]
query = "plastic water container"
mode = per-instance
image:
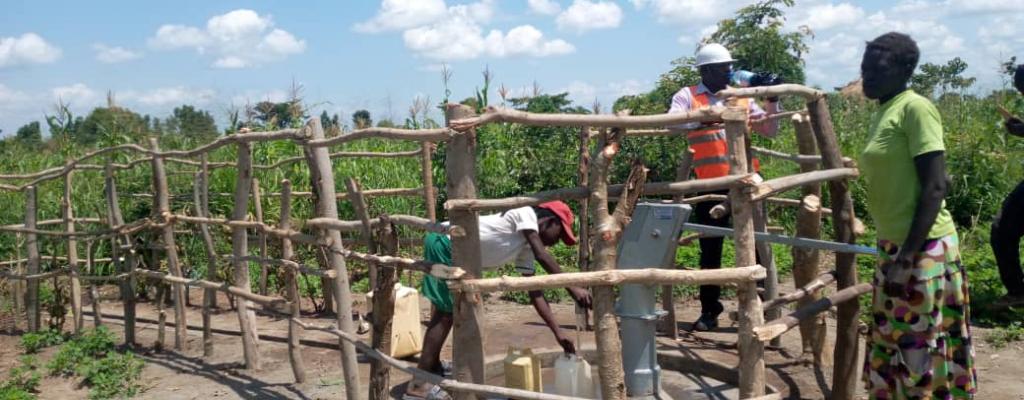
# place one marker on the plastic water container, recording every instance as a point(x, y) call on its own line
point(573, 377)
point(406, 335)
point(742, 78)
point(522, 370)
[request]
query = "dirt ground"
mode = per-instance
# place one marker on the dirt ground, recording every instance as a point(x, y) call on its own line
point(187, 375)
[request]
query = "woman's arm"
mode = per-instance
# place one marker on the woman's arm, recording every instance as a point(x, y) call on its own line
point(931, 172)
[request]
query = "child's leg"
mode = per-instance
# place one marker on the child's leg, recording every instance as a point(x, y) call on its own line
point(437, 332)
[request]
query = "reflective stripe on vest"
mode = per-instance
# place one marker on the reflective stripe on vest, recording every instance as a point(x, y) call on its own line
point(710, 147)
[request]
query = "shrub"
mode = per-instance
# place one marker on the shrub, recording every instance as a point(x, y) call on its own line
point(32, 342)
point(113, 376)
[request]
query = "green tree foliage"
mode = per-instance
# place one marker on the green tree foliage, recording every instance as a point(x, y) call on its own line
point(287, 114)
point(756, 38)
point(657, 101)
point(30, 133)
point(934, 80)
point(111, 126)
point(361, 119)
point(189, 122)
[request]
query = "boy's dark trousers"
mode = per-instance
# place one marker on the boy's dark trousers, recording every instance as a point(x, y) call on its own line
point(1007, 231)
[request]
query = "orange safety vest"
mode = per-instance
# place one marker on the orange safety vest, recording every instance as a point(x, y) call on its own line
point(710, 147)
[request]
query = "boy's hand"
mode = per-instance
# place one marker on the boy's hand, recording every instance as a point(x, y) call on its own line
point(567, 345)
point(581, 296)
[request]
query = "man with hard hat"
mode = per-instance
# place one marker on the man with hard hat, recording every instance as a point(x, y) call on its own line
point(711, 156)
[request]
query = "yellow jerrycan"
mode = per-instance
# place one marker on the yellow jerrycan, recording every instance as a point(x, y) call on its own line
point(522, 370)
point(406, 334)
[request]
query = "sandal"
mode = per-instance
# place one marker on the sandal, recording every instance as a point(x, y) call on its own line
point(434, 393)
point(705, 323)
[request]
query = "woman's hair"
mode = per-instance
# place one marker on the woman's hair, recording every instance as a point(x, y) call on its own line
point(900, 46)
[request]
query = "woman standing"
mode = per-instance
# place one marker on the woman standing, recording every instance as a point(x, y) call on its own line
point(920, 344)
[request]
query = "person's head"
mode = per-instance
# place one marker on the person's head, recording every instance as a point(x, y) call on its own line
point(889, 62)
point(1018, 78)
point(554, 222)
point(714, 63)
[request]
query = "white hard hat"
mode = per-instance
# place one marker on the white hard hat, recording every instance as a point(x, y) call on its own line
point(713, 53)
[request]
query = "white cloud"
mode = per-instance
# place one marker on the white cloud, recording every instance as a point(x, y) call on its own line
point(820, 17)
point(116, 54)
point(169, 96)
point(78, 94)
point(10, 98)
point(396, 15)
point(460, 36)
point(687, 12)
point(544, 7)
point(238, 39)
point(584, 15)
point(29, 48)
point(984, 6)
point(584, 93)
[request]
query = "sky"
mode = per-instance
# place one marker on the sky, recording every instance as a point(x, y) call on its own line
point(382, 55)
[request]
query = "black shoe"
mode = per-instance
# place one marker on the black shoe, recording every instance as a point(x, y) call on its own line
point(705, 323)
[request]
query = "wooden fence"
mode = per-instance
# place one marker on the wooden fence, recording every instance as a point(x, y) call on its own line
point(600, 223)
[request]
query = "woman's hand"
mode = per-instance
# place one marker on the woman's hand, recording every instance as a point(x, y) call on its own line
point(897, 274)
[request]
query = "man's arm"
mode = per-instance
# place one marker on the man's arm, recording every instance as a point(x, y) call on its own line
point(765, 128)
point(540, 304)
point(548, 262)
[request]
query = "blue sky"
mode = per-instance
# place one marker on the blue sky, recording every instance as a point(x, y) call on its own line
point(380, 55)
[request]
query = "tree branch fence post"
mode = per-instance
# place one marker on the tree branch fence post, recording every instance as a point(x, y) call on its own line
point(355, 195)
point(261, 238)
point(240, 249)
point(94, 292)
point(322, 175)
point(32, 266)
point(72, 252)
point(383, 311)
point(583, 255)
point(427, 172)
point(122, 252)
point(163, 213)
point(291, 287)
point(807, 262)
point(846, 367)
point(209, 295)
point(670, 323)
point(460, 166)
point(751, 314)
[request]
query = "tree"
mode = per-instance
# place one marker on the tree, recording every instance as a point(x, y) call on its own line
point(657, 101)
point(191, 123)
point(111, 126)
point(361, 119)
point(934, 80)
point(30, 133)
point(757, 41)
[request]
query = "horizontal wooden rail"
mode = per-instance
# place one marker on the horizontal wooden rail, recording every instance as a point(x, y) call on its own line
point(786, 89)
point(775, 186)
point(340, 196)
point(121, 230)
point(776, 328)
point(447, 384)
point(417, 135)
point(222, 287)
point(53, 258)
point(305, 269)
point(494, 115)
point(579, 192)
point(404, 220)
point(821, 282)
point(797, 158)
point(651, 276)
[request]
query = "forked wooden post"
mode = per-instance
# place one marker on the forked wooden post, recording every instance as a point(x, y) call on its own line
point(122, 252)
point(291, 286)
point(163, 211)
point(322, 174)
point(355, 195)
point(240, 249)
point(257, 203)
point(69, 226)
point(32, 266)
point(751, 350)
point(460, 166)
point(427, 171)
point(383, 312)
point(846, 369)
point(806, 262)
point(209, 295)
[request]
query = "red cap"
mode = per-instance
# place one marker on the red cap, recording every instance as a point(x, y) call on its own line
point(564, 214)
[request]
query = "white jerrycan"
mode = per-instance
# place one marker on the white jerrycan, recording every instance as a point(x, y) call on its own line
point(573, 377)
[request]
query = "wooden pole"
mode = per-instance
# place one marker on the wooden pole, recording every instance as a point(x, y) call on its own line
point(670, 322)
point(32, 267)
point(427, 170)
point(163, 211)
point(806, 262)
point(583, 256)
point(751, 351)
point(257, 202)
point(846, 368)
point(90, 265)
point(322, 175)
point(209, 295)
point(291, 286)
point(240, 248)
point(383, 313)
point(161, 326)
point(115, 219)
point(460, 165)
point(203, 206)
point(359, 203)
point(777, 327)
point(19, 286)
point(612, 277)
point(69, 226)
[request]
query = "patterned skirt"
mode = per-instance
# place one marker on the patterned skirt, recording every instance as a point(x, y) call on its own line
point(920, 345)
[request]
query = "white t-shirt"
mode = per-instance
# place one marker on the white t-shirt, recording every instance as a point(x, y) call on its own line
point(683, 99)
point(502, 240)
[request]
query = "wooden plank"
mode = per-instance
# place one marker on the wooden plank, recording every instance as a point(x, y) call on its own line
point(240, 248)
point(468, 342)
point(163, 210)
point(322, 176)
point(846, 368)
point(291, 287)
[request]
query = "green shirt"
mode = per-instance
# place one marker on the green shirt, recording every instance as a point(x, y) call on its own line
point(904, 127)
